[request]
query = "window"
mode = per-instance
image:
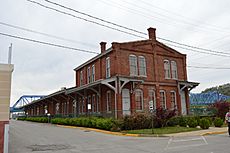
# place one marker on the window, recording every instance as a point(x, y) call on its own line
point(93, 73)
point(81, 78)
point(80, 106)
point(152, 97)
point(108, 100)
point(89, 104)
point(88, 75)
point(133, 64)
point(107, 67)
point(37, 110)
point(139, 99)
point(167, 69)
point(57, 108)
point(94, 103)
point(174, 69)
point(142, 66)
point(173, 100)
point(163, 99)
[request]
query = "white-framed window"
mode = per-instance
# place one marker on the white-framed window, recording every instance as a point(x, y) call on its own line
point(174, 70)
point(88, 75)
point(167, 69)
point(152, 97)
point(133, 65)
point(93, 73)
point(173, 100)
point(94, 105)
point(139, 99)
point(163, 99)
point(81, 78)
point(80, 106)
point(107, 63)
point(108, 101)
point(142, 65)
point(89, 104)
point(37, 110)
point(57, 108)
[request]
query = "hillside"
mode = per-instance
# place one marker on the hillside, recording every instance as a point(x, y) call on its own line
point(223, 89)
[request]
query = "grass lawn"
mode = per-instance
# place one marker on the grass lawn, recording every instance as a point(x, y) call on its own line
point(164, 130)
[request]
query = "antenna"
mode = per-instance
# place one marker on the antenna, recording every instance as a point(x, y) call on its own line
point(10, 54)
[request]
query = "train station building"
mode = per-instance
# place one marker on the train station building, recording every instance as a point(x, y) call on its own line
point(126, 78)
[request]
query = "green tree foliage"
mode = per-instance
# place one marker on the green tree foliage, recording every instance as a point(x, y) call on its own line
point(223, 89)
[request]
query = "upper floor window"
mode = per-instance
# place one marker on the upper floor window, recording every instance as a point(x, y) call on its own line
point(88, 75)
point(163, 99)
point(167, 69)
point(173, 100)
point(93, 73)
point(108, 101)
point(81, 78)
point(107, 67)
point(139, 99)
point(152, 97)
point(174, 69)
point(133, 64)
point(142, 65)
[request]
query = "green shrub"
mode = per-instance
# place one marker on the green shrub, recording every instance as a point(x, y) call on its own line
point(192, 122)
point(183, 121)
point(218, 122)
point(136, 121)
point(204, 123)
point(173, 121)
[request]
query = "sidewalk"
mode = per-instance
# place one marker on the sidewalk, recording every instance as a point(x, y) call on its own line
point(210, 131)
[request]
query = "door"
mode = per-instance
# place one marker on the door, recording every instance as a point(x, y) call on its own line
point(126, 102)
point(183, 103)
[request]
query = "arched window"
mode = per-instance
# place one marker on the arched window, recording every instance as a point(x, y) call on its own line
point(173, 100)
point(81, 78)
point(93, 73)
point(174, 69)
point(139, 99)
point(167, 69)
point(163, 99)
point(107, 67)
point(88, 75)
point(142, 65)
point(152, 97)
point(133, 64)
point(108, 101)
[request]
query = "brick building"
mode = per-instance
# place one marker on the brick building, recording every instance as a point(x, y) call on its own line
point(128, 77)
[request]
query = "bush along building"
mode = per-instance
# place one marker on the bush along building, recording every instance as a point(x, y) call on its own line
point(126, 78)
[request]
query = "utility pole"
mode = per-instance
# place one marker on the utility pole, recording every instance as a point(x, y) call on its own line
point(10, 54)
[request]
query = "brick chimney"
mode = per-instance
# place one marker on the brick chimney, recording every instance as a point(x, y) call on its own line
point(152, 33)
point(103, 46)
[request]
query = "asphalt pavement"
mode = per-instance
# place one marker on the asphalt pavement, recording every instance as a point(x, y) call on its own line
point(27, 137)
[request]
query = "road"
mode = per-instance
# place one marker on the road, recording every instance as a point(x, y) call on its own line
point(27, 137)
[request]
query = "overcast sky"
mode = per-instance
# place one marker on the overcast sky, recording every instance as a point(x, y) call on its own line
point(41, 69)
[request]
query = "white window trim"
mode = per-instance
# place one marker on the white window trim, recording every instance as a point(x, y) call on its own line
point(165, 102)
point(107, 101)
point(154, 97)
point(135, 65)
point(142, 99)
point(174, 66)
point(145, 67)
point(93, 73)
point(107, 67)
point(173, 91)
point(169, 68)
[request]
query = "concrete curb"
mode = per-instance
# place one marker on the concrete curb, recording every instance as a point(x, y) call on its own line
point(213, 133)
point(101, 131)
point(135, 135)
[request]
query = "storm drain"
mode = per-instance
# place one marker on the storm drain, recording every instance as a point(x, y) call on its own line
point(51, 147)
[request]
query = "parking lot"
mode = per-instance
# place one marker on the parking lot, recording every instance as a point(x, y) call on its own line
point(27, 137)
